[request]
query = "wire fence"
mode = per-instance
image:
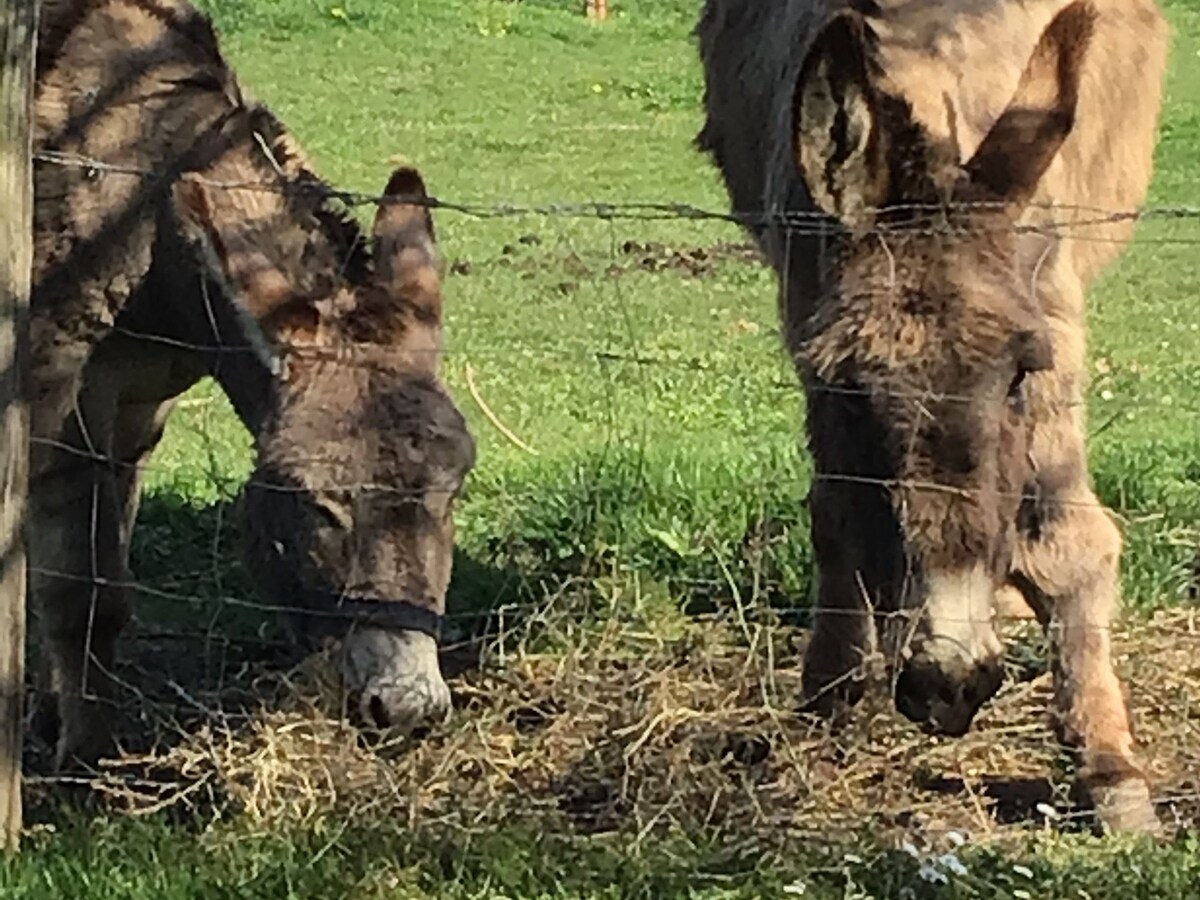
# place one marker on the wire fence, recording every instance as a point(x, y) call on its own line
point(576, 692)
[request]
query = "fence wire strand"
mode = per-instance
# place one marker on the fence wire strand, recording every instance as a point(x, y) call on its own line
point(630, 715)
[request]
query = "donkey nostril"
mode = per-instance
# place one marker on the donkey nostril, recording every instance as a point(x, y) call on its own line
point(949, 693)
point(379, 714)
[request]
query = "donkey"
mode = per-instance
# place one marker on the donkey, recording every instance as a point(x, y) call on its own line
point(912, 171)
point(179, 234)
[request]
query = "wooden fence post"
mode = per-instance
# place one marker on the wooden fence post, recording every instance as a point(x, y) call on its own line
point(18, 37)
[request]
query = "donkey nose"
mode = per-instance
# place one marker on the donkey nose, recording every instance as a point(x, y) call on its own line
point(396, 679)
point(943, 702)
point(408, 705)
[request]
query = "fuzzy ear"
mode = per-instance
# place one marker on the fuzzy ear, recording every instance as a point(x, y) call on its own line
point(1015, 154)
point(258, 286)
point(263, 298)
point(839, 141)
point(300, 323)
point(405, 245)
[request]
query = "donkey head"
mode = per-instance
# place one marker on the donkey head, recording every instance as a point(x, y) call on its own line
point(917, 358)
point(348, 515)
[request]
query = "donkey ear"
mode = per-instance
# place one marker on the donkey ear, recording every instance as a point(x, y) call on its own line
point(838, 136)
point(1018, 150)
point(405, 245)
point(403, 220)
point(259, 286)
point(262, 296)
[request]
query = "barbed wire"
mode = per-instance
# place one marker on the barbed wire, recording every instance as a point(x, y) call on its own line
point(349, 356)
point(905, 615)
point(797, 222)
point(889, 484)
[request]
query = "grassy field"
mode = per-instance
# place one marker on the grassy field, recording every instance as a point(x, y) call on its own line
point(641, 360)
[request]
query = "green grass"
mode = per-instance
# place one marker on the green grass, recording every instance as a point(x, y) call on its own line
point(686, 470)
point(128, 859)
point(132, 860)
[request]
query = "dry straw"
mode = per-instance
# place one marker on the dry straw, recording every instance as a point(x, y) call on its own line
point(617, 731)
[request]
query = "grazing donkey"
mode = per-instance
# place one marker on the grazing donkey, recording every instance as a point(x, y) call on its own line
point(179, 233)
point(917, 168)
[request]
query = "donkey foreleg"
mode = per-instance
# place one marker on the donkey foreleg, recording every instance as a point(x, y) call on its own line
point(1070, 574)
point(836, 660)
point(77, 573)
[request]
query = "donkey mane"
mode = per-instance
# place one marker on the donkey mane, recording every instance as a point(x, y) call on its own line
point(283, 158)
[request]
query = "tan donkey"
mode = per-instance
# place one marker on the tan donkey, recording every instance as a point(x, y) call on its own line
point(915, 172)
point(179, 233)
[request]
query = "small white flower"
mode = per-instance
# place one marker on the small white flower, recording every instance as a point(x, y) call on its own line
point(952, 863)
point(1047, 810)
point(932, 875)
point(1023, 871)
point(1106, 394)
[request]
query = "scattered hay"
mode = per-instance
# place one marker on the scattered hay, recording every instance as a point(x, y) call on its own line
point(698, 734)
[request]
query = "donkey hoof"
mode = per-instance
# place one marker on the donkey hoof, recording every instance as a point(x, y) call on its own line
point(77, 730)
point(80, 750)
point(45, 723)
point(396, 679)
point(831, 697)
point(1125, 807)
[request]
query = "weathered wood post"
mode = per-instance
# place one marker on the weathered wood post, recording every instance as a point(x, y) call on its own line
point(596, 9)
point(18, 36)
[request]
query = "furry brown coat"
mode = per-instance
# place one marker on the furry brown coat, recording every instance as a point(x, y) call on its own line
point(180, 233)
point(917, 173)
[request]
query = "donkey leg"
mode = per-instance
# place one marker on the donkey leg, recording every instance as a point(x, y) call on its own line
point(835, 660)
point(84, 502)
point(843, 637)
point(138, 432)
point(77, 577)
point(1067, 563)
point(1070, 573)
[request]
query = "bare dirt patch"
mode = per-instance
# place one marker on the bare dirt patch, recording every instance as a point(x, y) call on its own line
point(528, 257)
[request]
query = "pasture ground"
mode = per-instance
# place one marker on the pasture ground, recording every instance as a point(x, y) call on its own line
point(628, 602)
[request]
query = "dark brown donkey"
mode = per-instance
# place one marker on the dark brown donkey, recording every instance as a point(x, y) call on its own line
point(180, 234)
point(914, 171)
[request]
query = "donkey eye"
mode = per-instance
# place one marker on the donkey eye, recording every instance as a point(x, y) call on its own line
point(1014, 388)
point(332, 515)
